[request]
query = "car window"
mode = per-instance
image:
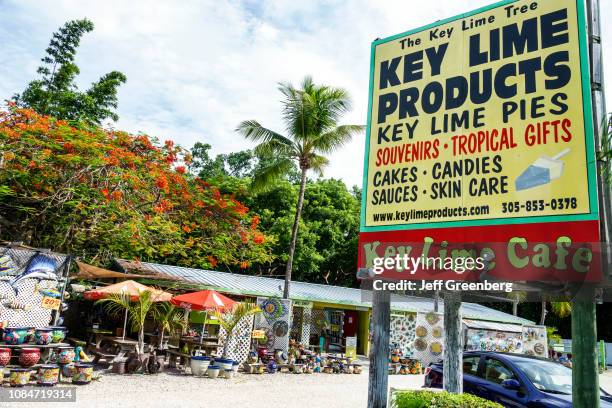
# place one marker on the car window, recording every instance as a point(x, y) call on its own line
point(496, 371)
point(470, 365)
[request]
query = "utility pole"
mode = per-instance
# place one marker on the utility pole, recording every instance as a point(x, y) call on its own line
point(585, 375)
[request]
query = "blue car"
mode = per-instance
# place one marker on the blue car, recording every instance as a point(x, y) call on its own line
point(514, 380)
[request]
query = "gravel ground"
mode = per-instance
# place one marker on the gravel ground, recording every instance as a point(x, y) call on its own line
point(174, 389)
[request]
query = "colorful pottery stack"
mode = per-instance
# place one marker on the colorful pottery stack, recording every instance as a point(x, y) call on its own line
point(30, 332)
point(15, 335)
point(19, 377)
point(5, 356)
point(83, 373)
point(65, 355)
point(48, 375)
point(43, 336)
point(29, 356)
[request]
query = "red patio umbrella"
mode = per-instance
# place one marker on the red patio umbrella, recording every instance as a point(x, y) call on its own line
point(203, 300)
point(128, 287)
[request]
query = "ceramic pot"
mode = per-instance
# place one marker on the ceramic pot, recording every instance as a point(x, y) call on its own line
point(59, 333)
point(272, 367)
point(29, 356)
point(65, 355)
point(19, 377)
point(298, 369)
point(5, 356)
point(48, 375)
point(213, 371)
point(30, 332)
point(67, 370)
point(356, 369)
point(43, 336)
point(228, 374)
point(15, 335)
point(82, 374)
point(199, 365)
point(224, 363)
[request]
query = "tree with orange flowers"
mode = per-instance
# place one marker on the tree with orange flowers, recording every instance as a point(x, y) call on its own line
point(95, 192)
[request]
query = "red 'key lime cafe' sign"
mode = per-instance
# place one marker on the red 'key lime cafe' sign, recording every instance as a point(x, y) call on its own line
point(480, 143)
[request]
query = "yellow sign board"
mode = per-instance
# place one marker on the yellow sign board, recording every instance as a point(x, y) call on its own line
point(481, 118)
point(258, 334)
point(50, 303)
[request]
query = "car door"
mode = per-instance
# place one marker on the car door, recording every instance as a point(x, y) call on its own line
point(470, 373)
point(490, 387)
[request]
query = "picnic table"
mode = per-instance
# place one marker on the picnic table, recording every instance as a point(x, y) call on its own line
point(45, 349)
point(114, 349)
point(96, 336)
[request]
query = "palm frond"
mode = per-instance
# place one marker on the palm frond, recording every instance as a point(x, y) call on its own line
point(318, 163)
point(336, 138)
point(266, 176)
point(252, 130)
point(561, 309)
point(230, 319)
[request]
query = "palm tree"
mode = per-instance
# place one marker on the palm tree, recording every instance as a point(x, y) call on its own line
point(230, 319)
point(560, 309)
point(168, 318)
point(311, 115)
point(137, 311)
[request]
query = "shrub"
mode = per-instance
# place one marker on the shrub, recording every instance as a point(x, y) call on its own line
point(429, 399)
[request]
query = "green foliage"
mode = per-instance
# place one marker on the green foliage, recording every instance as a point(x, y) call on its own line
point(230, 319)
point(429, 399)
point(561, 309)
point(553, 336)
point(169, 319)
point(138, 311)
point(56, 93)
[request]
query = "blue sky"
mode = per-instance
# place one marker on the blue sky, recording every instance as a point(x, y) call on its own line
point(197, 68)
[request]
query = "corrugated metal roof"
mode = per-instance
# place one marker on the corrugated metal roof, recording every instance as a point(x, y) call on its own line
point(505, 327)
point(262, 286)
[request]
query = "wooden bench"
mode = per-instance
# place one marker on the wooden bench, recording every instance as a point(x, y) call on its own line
point(173, 355)
point(99, 354)
point(77, 342)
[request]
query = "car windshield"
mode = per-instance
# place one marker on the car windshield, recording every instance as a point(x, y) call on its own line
point(547, 376)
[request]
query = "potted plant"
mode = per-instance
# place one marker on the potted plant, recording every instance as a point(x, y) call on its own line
point(137, 311)
point(229, 321)
point(169, 319)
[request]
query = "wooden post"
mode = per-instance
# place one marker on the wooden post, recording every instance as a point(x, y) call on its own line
point(379, 354)
point(585, 376)
point(453, 349)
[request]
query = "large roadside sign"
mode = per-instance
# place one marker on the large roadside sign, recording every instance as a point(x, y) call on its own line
point(480, 130)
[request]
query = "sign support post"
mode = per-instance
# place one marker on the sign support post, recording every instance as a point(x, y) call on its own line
point(453, 354)
point(379, 370)
point(585, 375)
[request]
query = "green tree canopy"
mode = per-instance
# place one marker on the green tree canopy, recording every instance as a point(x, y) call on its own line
point(56, 93)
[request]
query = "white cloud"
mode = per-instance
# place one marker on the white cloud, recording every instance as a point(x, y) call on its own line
point(197, 68)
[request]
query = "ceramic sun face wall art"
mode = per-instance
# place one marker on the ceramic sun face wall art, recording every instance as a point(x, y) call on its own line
point(428, 345)
point(275, 320)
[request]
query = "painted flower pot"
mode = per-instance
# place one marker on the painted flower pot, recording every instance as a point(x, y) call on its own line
point(272, 367)
point(30, 332)
point(66, 355)
point(68, 370)
point(59, 333)
point(83, 372)
point(48, 375)
point(19, 377)
point(5, 356)
point(43, 336)
point(15, 335)
point(29, 356)
point(228, 374)
point(213, 371)
point(199, 365)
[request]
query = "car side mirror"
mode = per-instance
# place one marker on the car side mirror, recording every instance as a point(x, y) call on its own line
point(511, 384)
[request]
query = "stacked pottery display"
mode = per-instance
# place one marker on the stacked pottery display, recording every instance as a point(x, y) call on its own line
point(48, 375)
point(29, 356)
